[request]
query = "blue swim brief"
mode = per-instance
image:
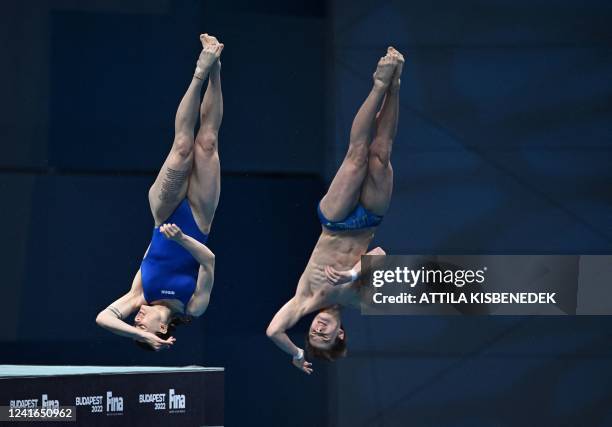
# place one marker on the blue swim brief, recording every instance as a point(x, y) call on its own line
point(359, 218)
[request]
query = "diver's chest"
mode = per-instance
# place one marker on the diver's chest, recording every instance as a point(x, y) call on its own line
point(323, 293)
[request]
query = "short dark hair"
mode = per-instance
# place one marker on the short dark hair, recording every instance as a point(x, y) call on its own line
point(336, 351)
point(176, 321)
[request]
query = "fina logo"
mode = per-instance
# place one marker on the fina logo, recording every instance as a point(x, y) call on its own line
point(176, 401)
point(46, 403)
point(113, 403)
point(167, 292)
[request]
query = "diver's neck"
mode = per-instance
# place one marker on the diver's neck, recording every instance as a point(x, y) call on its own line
point(334, 310)
point(348, 295)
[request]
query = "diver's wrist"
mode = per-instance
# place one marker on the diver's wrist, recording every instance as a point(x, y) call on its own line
point(138, 334)
point(181, 239)
point(299, 355)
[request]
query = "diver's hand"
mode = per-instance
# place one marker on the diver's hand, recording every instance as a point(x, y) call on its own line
point(156, 342)
point(337, 277)
point(302, 364)
point(172, 232)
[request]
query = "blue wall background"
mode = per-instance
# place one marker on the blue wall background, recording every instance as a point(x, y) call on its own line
point(504, 146)
point(91, 93)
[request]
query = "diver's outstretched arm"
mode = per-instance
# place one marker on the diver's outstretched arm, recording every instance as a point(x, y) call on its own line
point(111, 317)
point(287, 317)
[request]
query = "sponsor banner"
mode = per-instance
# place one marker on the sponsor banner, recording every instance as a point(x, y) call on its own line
point(170, 398)
point(170, 401)
point(486, 284)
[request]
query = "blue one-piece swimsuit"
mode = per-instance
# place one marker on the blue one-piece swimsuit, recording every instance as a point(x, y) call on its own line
point(168, 270)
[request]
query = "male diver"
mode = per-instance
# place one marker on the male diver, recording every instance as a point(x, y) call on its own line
point(353, 207)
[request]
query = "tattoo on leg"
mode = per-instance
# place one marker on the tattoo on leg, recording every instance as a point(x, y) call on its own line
point(115, 311)
point(172, 184)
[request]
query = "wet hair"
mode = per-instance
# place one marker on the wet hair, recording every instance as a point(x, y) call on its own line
point(336, 351)
point(177, 320)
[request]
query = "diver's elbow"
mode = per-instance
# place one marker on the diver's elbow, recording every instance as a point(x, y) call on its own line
point(100, 319)
point(271, 332)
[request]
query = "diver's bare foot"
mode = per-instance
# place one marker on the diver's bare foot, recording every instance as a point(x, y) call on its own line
point(384, 71)
point(395, 80)
point(211, 52)
point(208, 40)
